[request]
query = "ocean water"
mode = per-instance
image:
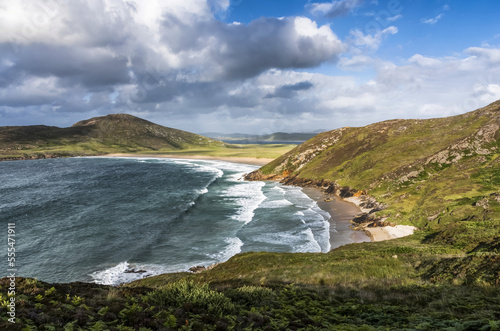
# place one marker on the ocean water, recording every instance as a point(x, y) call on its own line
point(96, 219)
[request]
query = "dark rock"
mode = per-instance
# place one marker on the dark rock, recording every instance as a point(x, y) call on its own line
point(197, 269)
point(133, 271)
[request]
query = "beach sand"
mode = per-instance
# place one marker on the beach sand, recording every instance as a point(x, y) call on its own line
point(384, 232)
point(341, 213)
point(241, 160)
point(390, 232)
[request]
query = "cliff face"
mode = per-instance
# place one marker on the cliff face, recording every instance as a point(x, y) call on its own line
point(434, 174)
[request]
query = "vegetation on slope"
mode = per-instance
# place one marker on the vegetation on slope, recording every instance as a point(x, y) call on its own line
point(99, 135)
point(397, 284)
point(117, 133)
point(441, 174)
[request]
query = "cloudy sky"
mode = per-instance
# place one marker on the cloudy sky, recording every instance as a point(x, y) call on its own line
point(250, 66)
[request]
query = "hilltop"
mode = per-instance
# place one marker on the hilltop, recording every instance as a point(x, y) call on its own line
point(116, 133)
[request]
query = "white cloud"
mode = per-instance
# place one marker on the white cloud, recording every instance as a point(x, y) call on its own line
point(433, 20)
point(356, 62)
point(394, 18)
point(371, 41)
point(488, 54)
point(425, 62)
point(175, 63)
point(334, 8)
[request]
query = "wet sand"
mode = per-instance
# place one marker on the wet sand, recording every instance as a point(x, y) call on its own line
point(341, 213)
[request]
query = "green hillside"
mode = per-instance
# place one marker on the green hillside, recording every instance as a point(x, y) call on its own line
point(116, 133)
point(439, 174)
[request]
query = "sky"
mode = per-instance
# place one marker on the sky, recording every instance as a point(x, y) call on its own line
point(248, 66)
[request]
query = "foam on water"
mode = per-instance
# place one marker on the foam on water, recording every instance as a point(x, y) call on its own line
point(310, 245)
point(166, 215)
point(248, 196)
point(313, 216)
point(298, 241)
point(276, 203)
point(278, 189)
point(126, 272)
point(233, 248)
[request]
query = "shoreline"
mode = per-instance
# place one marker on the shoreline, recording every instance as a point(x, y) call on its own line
point(341, 213)
point(235, 159)
point(341, 210)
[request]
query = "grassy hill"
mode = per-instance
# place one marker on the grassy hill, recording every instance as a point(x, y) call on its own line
point(117, 133)
point(442, 175)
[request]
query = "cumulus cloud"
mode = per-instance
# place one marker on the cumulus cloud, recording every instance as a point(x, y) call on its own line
point(290, 90)
point(175, 63)
point(333, 9)
point(238, 51)
point(125, 56)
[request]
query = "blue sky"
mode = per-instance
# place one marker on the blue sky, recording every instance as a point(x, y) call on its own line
point(247, 65)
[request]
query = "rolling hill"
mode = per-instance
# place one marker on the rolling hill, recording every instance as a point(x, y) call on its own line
point(116, 133)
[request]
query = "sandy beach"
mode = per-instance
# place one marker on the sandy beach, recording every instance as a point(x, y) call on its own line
point(241, 160)
point(342, 212)
point(389, 232)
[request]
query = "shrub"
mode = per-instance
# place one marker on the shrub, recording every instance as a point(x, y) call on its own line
point(187, 293)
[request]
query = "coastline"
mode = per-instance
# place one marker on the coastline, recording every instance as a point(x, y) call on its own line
point(341, 213)
point(240, 160)
point(341, 210)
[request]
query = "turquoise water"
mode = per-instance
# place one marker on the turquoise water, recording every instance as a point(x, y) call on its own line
point(94, 219)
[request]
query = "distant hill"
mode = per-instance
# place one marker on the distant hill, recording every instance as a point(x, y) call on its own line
point(116, 133)
point(277, 136)
point(438, 174)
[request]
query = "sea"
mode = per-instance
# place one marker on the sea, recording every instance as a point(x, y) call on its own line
point(115, 220)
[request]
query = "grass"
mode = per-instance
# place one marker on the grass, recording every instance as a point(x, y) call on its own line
point(267, 151)
point(400, 284)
